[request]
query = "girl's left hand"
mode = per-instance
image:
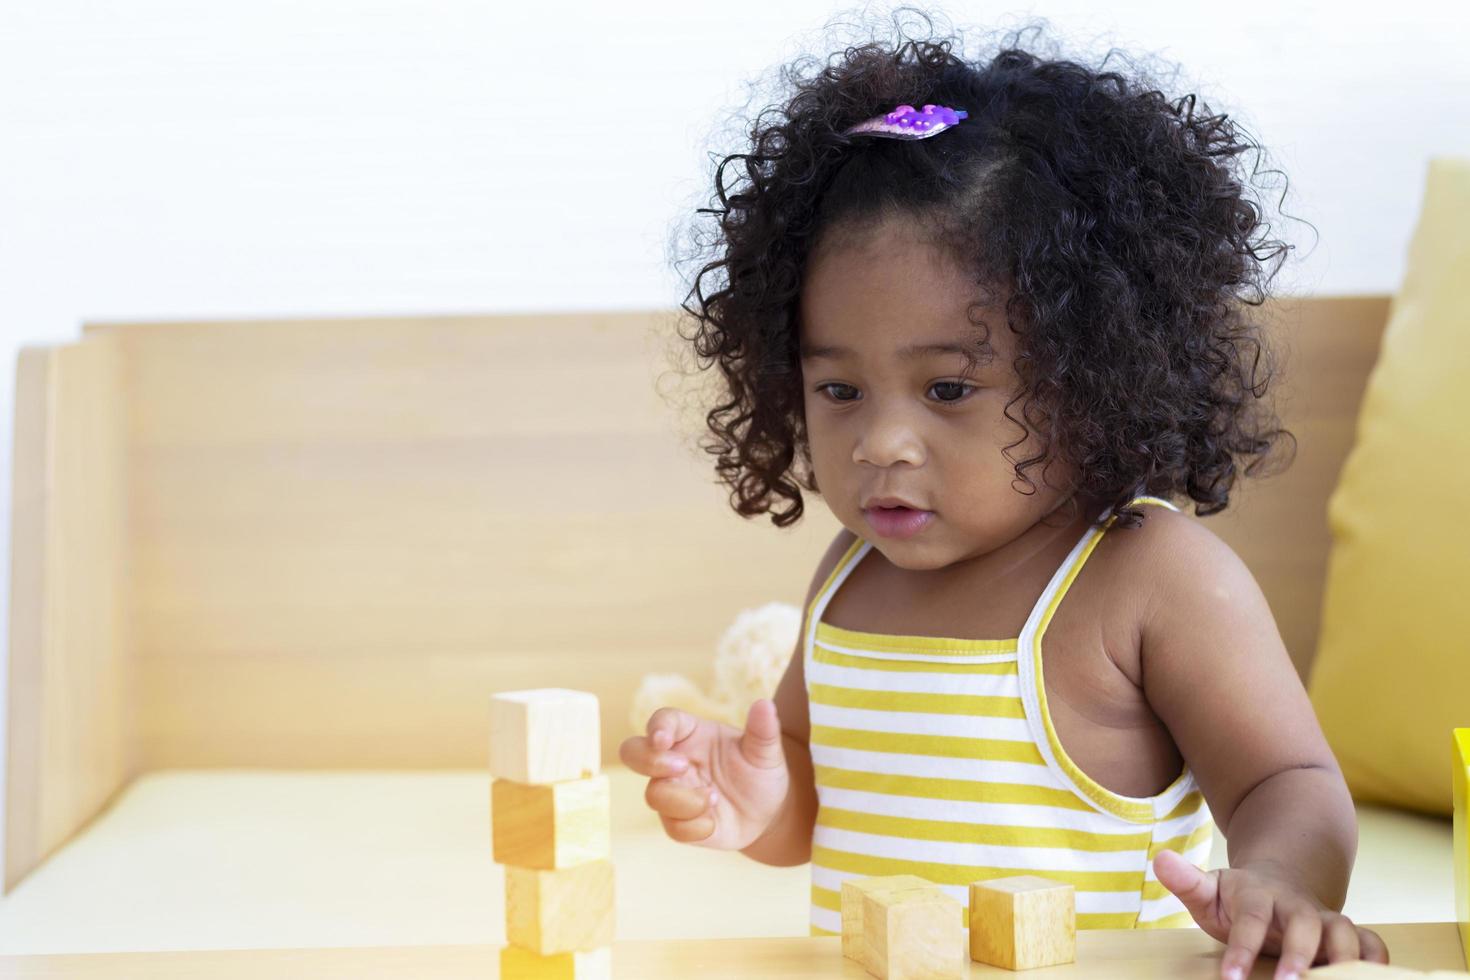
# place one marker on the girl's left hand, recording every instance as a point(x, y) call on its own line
point(1254, 911)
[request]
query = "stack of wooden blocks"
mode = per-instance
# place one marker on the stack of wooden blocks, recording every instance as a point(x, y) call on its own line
point(550, 819)
point(902, 927)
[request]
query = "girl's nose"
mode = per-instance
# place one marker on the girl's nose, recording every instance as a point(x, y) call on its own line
point(888, 440)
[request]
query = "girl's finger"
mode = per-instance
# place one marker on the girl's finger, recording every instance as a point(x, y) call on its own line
point(1340, 939)
point(689, 831)
point(639, 755)
point(676, 800)
point(668, 727)
point(1251, 921)
point(1371, 946)
point(1195, 889)
point(1301, 933)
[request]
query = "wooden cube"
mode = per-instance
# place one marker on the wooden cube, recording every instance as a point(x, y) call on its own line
point(1023, 922)
point(550, 826)
point(560, 911)
point(523, 964)
point(854, 939)
point(1460, 825)
point(544, 736)
point(916, 934)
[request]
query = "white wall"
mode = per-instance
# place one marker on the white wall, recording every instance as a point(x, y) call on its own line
point(204, 158)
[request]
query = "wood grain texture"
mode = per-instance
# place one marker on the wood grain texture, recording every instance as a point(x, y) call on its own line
point(70, 729)
point(349, 532)
point(913, 934)
point(854, 891)
point(544, 735)
point(1102, 954)
point(560, 911)
point(554, 825)
point(1362, 970)
point(1022, 923)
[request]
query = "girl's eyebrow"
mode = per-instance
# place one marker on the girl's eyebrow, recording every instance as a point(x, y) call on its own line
point(909, 353)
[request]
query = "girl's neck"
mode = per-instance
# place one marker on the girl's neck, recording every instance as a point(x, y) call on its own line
point(1049, 538)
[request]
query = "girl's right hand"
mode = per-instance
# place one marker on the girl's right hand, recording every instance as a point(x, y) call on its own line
point(711, 783)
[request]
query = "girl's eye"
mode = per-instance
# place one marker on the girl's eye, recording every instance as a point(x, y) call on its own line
point(958, 388)
point(836, 384)
point(952, 385)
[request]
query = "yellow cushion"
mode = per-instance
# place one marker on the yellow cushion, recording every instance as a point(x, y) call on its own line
point(1392, 672)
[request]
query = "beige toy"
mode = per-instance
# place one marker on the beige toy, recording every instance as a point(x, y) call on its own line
point(750, 658)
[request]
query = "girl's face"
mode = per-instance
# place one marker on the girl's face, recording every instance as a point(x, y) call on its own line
point(887, 417)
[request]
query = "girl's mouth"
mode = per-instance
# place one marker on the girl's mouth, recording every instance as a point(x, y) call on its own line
point(897, 522)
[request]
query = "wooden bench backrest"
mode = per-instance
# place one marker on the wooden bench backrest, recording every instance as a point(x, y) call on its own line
point(323, 543)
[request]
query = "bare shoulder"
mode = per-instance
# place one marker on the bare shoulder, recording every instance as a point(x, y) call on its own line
point(1172, 554)
point(1199, 613)
point(1172, 573)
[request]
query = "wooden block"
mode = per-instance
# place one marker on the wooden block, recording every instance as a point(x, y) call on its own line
point(1023, 922)
point(523, 964)
point(1461, 831)
point(916, 934)
point(1362, 970)
point(560, 911)
point(550, 826)
point(544, 736)
point(854, 941)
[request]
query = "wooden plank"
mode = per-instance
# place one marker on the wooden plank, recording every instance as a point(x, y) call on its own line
point(69, 732)
point(1102, 954)
point(347, 534)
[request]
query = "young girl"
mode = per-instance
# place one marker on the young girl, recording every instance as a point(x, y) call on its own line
point(995, 314)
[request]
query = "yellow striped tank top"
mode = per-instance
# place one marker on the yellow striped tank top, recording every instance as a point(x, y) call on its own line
point(937, 757)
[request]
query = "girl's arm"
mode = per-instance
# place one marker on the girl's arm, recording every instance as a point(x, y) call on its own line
point(1216, 672)
point(789, 839)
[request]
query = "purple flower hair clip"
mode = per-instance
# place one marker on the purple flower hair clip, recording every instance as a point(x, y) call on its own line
point(907, 123)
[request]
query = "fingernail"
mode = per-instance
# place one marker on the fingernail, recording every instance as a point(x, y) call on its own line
point(1233, 973)
point(714, 797)
point(676, 762)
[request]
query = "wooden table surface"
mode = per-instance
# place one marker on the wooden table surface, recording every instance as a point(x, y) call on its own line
point(1175, 954)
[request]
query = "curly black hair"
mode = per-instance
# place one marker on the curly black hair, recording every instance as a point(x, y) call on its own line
point(1116, 220)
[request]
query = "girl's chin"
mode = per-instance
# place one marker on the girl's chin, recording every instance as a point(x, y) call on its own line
point(914, 555)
